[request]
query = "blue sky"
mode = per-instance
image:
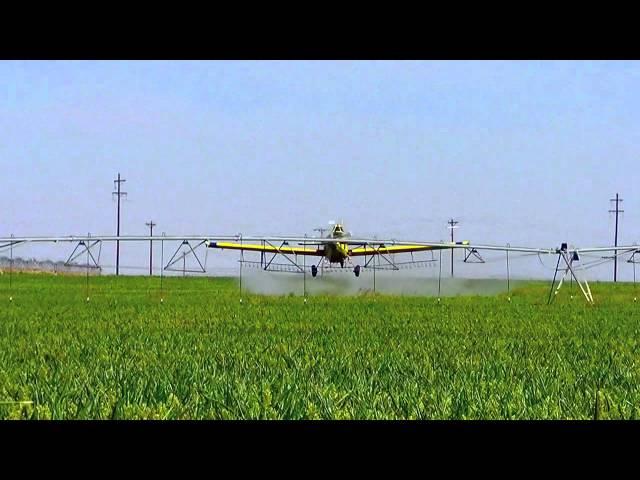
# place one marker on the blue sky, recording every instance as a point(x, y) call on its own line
point(523, 152)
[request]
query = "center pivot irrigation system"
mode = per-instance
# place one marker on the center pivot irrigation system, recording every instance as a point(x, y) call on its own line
point(376, 254)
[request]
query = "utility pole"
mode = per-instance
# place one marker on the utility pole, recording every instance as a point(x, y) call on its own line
point(321, 230)
point(617, 211)
point(150, 224)
point(119, 194)
point(452, 224)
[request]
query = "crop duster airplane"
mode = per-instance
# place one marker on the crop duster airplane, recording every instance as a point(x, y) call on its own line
point(336, 249)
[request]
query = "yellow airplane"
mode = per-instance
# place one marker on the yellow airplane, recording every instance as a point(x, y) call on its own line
point(339, 251)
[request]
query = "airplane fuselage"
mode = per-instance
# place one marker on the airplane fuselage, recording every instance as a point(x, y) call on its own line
point(336, 252)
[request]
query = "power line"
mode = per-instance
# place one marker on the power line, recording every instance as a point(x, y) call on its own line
point(617, 211)
point(150, 224)
point(452, 224)
point(119, 194)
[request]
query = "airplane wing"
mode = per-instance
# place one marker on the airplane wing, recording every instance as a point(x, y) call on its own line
point(268, 248)
point(384, 249)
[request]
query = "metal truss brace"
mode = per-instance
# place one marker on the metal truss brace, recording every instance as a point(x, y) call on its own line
point(284, 255)
point(266, 267)
point(191, 251)
point(371, 259)
point(473, 256)
point(388, 260)
point(86, 249)
point(6, 246)
point(569, 269)
point(635, 257)
point(383, 256)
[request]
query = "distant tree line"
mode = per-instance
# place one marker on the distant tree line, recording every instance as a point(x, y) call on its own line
point(34, 265)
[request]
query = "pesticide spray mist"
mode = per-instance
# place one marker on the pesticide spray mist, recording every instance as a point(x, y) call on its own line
point(404, 282)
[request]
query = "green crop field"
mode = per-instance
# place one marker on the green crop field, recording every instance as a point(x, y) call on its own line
point(203, 354)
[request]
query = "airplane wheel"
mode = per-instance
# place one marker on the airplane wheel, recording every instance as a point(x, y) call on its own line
point(356, 270)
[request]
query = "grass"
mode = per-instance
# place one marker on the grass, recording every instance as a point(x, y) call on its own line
point(202, 354)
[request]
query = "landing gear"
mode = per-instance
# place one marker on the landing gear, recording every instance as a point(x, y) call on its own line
point(356, 269)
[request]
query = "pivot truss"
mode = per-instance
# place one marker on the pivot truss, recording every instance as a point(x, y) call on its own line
point(567, 267)
point(268, 265)
point(635, 257)
point(472, 256)
point(188, 251)
point(83, 247)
